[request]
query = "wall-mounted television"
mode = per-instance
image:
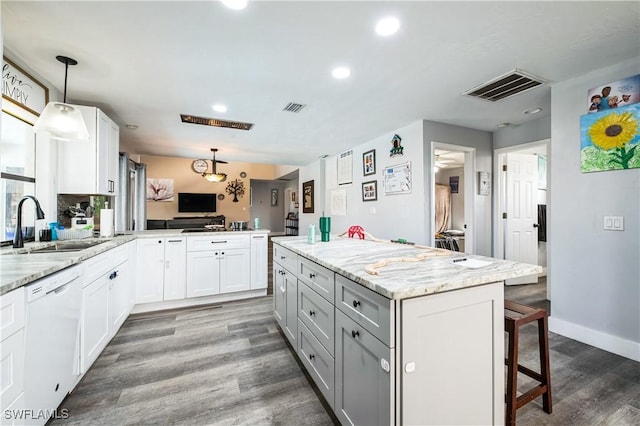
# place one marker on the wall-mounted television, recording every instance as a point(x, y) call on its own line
point(189, 202)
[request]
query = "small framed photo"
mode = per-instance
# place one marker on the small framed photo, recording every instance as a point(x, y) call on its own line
point(370, 190)
point(369, 163)
point(274, 197)
point(307, 197)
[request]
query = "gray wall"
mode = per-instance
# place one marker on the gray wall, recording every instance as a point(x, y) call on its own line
point(271, 217)
point(531, 131)
point(595, 274)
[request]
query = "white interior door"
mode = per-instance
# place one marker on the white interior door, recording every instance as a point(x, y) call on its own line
point(521, 232)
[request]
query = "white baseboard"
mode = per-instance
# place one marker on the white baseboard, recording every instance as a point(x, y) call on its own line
point(183, 303)
point(617, 345)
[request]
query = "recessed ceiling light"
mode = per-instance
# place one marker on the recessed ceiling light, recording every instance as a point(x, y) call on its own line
point(387, 26)
point(504, 125)
point(220, 108)
point(235, 4)
point(533, 111)
point(341, 72)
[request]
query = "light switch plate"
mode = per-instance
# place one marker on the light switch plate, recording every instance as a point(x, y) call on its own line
point(614, 223)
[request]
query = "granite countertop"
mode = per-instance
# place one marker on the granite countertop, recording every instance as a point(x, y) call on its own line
point(444, 271)
point(18, 267)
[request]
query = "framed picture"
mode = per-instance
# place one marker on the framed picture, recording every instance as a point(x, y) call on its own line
point(397, 179)
point(454, 181)
point(22, 89)
point(307, 197)
point(369, 163)
point(370, 190)
point(613, 95)
point(484, 183)
point(345, 167)
point(274, 197)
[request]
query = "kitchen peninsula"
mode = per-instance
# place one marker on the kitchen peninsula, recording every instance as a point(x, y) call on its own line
point(416, 340)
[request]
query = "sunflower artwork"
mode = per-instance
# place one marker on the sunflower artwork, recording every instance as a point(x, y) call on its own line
point(609, 139)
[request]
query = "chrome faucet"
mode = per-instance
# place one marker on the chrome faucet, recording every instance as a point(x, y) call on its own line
point(18, 242)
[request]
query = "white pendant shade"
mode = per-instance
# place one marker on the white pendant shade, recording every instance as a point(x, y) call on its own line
point(63, 122)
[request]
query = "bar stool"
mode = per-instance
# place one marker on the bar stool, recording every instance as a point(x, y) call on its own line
point(516, 315)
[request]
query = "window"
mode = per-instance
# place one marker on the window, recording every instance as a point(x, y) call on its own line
point(17, 175)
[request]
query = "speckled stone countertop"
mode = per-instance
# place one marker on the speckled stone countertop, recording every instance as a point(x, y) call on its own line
point(350, 256)
point(18, 267)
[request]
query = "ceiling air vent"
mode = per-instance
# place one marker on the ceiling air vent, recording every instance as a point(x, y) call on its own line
point(293, 107)
point(506, 85)
point(215, 122)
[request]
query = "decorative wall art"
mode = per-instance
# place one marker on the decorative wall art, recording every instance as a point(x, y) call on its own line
point(454, 181)
point(21, 89)
point(396, 148)
point(614, 95)
point(397, 179)
point(338, 202)
point(484, 183)
point(307, 197)
point(609, 139)
point(345, 168)
point(235, 188)
point(274, 197)
point(370, 190)
point(159, 189)
point(369, 163)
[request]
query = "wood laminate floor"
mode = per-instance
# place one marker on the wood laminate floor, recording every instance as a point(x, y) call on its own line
point(230, 365)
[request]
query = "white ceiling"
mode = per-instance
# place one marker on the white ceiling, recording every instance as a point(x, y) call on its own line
point(146, 62)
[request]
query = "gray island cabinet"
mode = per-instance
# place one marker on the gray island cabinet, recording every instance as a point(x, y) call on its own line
point(420, 342)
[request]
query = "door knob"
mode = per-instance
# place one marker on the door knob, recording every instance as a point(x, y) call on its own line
point(535, 225)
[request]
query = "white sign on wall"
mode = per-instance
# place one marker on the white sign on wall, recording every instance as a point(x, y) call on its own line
point(21, 89)
point(397, 179)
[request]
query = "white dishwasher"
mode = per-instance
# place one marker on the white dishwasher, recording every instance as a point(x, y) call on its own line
point(51, 338)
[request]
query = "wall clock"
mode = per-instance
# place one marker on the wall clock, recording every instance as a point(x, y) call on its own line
point(220, 197)
point(199, 166)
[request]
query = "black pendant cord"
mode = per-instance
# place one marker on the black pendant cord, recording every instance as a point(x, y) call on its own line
point(66, 70)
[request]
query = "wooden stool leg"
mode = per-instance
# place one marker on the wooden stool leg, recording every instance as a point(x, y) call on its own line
point(543, 343)
point(512, 376)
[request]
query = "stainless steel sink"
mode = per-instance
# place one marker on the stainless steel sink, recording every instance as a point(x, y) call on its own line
point(66, 246)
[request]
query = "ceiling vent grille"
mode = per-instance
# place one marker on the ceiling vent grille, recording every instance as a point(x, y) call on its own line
point(294, 107)
point(215, 122)
point(506, 85)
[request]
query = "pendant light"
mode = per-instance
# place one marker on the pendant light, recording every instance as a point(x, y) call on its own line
point(61, 120)
point(215, 177)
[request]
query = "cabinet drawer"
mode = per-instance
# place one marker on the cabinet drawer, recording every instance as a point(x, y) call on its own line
point(319, 278)
point(12, 307)
point(103, 263)
point(318, 362)
point(217, 242)
point(368, 308)
point(286, 258)
point(318, 315)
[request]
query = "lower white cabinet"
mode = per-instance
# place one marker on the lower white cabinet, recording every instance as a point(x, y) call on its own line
point(161, 269)
point(119, 284)
point(95, 321)
point(285, 299)
point(259, 261)
point(218, 264)
point(175, 268)
point(12, 351)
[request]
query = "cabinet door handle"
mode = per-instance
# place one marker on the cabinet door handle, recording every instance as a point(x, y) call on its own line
point(356, 303)
point(311, 357)
point(312, 275)
point(159, 241)
point(113, 275)
point(258, 236)
point(312, 313)
point(174, 241)
point(223, 253)
point(282, 257)
point(355, 333)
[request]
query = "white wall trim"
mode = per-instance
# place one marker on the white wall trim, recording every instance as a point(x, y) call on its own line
point(617, 345)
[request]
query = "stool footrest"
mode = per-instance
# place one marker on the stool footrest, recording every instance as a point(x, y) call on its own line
point(530, 395)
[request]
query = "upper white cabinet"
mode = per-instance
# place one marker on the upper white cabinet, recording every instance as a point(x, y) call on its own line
point(91, 167)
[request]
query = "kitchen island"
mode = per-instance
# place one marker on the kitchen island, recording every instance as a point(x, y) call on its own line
point(418, 339)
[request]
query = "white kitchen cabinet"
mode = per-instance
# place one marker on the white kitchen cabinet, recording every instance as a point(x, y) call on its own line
point(161, 269)
point(175, 268)
point(218, 264)
point(285, 291)
point(12, 350)
point(91, 167)
point(120, 281)
point(150, 270)
point(259, 267)
point(279, 295)
point(95, 324)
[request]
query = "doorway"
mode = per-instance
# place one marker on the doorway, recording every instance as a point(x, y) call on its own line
point(521, 203)
point(453, 171)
